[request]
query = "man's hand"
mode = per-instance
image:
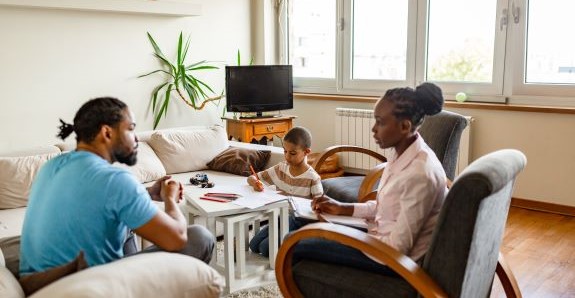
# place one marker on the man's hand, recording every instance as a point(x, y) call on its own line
point(156, 188)
point(171, 190)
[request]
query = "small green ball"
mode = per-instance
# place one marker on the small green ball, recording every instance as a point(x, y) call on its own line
point(461, 96)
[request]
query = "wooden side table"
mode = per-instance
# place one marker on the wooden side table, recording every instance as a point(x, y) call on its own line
point(249, 129)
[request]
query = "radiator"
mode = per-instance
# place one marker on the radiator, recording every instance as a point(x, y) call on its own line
point(353, 127)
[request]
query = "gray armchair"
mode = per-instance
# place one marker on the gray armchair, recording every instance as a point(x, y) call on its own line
point(441, 132)
point(461, 261)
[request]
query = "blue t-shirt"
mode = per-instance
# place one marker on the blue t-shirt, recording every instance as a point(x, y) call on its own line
point(78, 201)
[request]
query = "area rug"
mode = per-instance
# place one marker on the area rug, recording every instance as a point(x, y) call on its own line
point(269, 291)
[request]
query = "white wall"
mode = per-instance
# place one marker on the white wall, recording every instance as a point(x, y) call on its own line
point(52, 61)
point(546, 140)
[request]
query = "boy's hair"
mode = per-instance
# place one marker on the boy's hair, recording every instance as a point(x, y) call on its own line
point(91, 116)
point(299, 136)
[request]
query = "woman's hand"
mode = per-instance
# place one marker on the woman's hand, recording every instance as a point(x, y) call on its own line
point(328, 205)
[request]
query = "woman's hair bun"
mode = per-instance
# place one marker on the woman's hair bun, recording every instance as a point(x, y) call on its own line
point(430, 98)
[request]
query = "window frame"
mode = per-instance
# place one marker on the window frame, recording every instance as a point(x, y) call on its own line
point(510, 52)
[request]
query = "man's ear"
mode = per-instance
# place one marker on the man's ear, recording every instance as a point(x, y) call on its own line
point(307, 151)
point(106, 132)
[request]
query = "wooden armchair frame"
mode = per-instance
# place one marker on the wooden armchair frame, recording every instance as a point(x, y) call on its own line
point(371, 177)
point(382, 252)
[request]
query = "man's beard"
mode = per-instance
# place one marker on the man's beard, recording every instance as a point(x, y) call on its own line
point(129, 159)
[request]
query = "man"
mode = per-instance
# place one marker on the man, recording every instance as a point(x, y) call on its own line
point(79, 202)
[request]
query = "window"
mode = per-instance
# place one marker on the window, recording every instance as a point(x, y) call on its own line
point(491, 49)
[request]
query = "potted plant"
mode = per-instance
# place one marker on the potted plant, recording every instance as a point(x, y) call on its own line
point(180, 77)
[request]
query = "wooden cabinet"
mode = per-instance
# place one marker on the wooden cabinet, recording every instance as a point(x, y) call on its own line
point(255, 129)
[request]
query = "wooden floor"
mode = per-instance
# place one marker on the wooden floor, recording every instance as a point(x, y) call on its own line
point(540, 249)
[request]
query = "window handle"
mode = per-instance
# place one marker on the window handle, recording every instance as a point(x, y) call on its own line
point(341, 24)
point(503, 20)
point(515, 11)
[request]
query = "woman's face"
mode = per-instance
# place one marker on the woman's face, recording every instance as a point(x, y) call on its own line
point(387, 130)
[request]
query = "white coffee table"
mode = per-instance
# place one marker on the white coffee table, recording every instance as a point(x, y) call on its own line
point(235, 219)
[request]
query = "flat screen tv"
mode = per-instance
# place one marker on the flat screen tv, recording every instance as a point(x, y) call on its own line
point(259, 88)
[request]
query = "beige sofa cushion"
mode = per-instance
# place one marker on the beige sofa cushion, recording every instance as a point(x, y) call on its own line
point(16, 178)
point(148, 167)
point(11, 222)
point(158, 274)
point(9, 286)
point(188, 150)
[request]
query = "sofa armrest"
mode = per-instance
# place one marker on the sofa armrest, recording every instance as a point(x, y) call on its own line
point(9, 286)
point(157, 274)
point(277, 153)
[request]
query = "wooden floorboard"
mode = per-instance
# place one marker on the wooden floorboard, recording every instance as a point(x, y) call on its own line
point(540, 249)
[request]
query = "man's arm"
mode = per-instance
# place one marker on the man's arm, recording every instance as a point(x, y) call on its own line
point(168, 229)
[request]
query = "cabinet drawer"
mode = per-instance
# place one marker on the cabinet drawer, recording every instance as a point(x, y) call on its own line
point(267, 128)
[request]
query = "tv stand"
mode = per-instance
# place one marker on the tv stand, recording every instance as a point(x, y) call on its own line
point(258, 115)
point(253, 130)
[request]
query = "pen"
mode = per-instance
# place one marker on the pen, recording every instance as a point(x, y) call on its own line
point(222, 195)
point(254, 173)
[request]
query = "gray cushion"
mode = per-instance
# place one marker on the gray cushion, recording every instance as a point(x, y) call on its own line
point(442, 132)
point(316, 279)
point(343, 189)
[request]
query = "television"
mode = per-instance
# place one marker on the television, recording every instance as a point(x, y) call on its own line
point(259, 88)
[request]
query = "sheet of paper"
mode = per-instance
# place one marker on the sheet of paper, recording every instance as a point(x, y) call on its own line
point(251, 198)
point(302, 208)
point(346, 220)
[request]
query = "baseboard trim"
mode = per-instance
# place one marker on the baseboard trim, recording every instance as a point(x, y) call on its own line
point(543, 206)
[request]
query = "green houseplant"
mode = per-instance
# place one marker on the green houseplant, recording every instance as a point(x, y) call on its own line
point(180, 77)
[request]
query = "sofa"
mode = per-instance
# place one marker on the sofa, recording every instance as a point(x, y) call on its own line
point(179, 152)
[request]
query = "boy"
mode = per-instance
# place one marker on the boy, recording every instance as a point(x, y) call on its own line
point(294, 177)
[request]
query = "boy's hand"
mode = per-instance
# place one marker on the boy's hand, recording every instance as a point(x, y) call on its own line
point(255, 183)
point(259, 186)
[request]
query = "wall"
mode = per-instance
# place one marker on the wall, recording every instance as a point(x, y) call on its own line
point(54, 60)
point(546, 140)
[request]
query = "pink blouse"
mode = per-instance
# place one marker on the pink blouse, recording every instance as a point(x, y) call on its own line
point(410, 195)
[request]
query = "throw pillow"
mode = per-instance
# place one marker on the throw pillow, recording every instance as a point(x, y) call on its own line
point(35, 281)
point(188, 150)
point(148, 167)
point(16, 178)
point(237, 161)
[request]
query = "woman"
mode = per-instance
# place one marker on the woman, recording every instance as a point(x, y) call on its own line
point(411, 191)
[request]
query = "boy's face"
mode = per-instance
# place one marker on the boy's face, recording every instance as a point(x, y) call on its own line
point(294, 154)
